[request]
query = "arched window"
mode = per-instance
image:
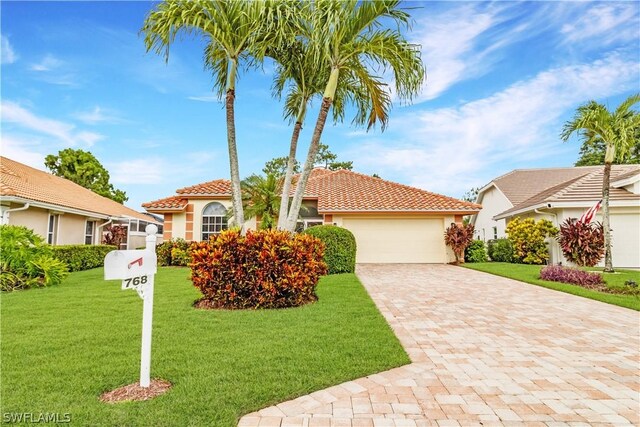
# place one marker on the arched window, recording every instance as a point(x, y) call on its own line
point(214, 219)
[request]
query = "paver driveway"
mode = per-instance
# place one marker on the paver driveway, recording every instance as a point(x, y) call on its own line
point(485, 351)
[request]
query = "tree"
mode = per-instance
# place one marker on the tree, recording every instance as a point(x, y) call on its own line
point(618, 131)
point(471, 195)
point(345, 41)
point(592, 154)
point(278, 167)
point(235, 32)
point(334, 166)
point(261, 198)
point(84, 169)
point(325, 156)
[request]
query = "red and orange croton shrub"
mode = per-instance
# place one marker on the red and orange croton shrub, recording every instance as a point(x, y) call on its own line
point(458, 237)
point(264, 269)
point(582, 244)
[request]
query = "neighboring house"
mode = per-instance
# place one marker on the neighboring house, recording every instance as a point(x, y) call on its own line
point(392, 223)
point(560, 193)
point(63, 212)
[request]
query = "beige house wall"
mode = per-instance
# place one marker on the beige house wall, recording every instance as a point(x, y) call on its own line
point(493, 202)
point(34, 218)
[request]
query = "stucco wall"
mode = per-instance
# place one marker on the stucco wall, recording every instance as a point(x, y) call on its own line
point(34, 218)
point(493, 202)
point(71, 229)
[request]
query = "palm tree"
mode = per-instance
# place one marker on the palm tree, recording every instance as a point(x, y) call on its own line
point(261, 198)
point(619, 131)
point(236, 32)
point(346, 43)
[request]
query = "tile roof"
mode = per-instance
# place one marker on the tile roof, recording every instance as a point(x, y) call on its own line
point(585, 188)
point(168, 203)
point(340, 191)
point(218, 187)
point(522, 184)
point(19, 180)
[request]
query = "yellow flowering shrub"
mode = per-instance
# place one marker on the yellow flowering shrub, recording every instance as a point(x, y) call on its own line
point(528, 238)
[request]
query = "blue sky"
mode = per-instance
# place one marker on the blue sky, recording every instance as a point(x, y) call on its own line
point(502, 79)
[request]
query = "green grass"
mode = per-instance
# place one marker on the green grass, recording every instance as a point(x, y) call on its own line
point(531, 274)
point(62, 347)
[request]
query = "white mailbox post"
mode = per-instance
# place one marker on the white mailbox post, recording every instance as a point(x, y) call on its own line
point(137, 269)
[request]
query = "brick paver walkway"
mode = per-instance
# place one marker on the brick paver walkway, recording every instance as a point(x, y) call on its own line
point(485, 351)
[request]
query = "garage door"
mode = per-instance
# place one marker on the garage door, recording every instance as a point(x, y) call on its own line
point(386, 240)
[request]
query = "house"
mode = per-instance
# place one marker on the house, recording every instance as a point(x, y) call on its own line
point(63, 212)
point(392, 223)
point(560, 193)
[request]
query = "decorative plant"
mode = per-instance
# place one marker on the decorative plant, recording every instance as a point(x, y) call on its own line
point(264, 269)
point(528, 238)
point(340, 247)
point(558, 273)
point(500, 250)
point(114, 235)
point(475, 252)
point(582, 244)
point(458, 237)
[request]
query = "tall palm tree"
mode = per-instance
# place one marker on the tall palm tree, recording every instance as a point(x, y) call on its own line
point(346, 42)
point(236, 33)
point(619, 131)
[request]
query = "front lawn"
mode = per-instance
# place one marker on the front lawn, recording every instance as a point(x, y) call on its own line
point(531, 274)
point(62, 347)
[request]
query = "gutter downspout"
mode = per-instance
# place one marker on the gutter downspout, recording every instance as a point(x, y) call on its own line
point(556, 248)
point(5, 216)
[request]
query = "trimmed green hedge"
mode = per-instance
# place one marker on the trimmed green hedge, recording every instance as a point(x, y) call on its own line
point(82, 257)
point(340, 247)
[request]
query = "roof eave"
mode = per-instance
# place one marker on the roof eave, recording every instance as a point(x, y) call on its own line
point(567, 205)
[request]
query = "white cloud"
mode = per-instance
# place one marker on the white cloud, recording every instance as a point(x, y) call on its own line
point(64, 132)
point(48, 63)
point(138, 171)
point(606, 23)
point(98, 115)
point(452, 149)
point(23, 151)
point(204, 98)
point(8, 55)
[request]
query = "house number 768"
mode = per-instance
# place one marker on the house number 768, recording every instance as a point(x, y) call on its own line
point(135, 281)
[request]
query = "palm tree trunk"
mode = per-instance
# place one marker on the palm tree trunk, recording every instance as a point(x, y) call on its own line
point(608, 262)
point(286, 187)
point(236, 191)
point(327, 100)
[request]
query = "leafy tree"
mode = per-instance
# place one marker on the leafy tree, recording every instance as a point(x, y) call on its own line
point(325, 156)
point(592, 154)
point(235, 33)
point(84, 169)
point(471, 195)
point(278, 167)
point(618, 131)
point(346, 44)
point(334, 166)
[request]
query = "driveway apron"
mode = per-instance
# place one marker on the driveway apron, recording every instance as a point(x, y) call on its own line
point(485, 350)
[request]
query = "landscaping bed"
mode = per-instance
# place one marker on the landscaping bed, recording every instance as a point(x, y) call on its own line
point(614, 283)
point(64, 346)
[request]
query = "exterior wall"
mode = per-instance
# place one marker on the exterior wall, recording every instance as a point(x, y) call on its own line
point(493, 203)
point(71, 229)
point(179, 225)
point(34, 218)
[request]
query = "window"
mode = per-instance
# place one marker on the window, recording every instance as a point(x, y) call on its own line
point(495, 233)
point(214, 220)
point(89, 232)
point(133, 225)
point(52, 230)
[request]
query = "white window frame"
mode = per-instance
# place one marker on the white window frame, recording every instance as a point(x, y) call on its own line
point(52, 234)
point(213, 228)
point(92, 236)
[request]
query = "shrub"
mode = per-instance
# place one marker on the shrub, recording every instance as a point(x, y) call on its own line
point(264, 269)
point(458, 237)
point(26, 260)
point(174, 252)
point(582, 244)
point(339, 247)
point(114, 235)
point(500, 250)
point(475, 252)
point(558, 273)
point(528, 239)
point(82, 257)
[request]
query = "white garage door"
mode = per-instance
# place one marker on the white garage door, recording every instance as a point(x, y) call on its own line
point(386, 240)
point(626, 248)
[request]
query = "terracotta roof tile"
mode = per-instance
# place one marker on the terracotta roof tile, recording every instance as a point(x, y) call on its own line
point(218, 187)
point(168, 203)
point(22, 181)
